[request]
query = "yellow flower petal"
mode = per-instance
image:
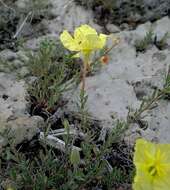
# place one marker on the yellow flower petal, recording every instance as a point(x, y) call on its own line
point(152, 163)
point(69, 42)
point(142, 183)
point(82, 36)
point(143, 150)
point(165, 148)
point(84, 30)
point(162, 184)
point(91, 42)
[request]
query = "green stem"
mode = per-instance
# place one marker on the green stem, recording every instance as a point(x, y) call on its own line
point(147, 106)
point(84, 72)
point(84, 76)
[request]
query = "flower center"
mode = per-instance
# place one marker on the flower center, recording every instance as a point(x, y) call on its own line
point(152, 170)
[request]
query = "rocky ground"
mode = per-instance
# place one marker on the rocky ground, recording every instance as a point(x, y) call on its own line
point(118, 87)
point(127, 13)
point(121, 84)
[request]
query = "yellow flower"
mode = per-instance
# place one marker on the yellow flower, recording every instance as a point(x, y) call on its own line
point(85, 40)
point(152, 163)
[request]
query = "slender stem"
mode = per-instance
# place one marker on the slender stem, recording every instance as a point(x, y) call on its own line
point(147, 106)
point(105, 53)
point(84, 73)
